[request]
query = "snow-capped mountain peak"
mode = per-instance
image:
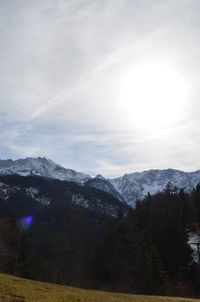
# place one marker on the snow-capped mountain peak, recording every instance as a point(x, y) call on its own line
point(99, 176)
point(136, 185)
point(128, 187)
point(42, 167)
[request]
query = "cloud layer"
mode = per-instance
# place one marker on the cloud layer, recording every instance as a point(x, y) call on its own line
point(61, 63)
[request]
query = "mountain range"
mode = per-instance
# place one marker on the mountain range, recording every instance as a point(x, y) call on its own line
point(80, 230)
point(127, 188)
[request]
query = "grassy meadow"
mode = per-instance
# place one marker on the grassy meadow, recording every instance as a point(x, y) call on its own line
point(14, 289)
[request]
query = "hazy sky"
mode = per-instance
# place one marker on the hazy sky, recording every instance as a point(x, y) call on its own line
point(101, 86)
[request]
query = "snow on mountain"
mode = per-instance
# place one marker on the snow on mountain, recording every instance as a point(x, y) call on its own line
point(194, 241)
point(128, 188)
point(95, 203)
point(42, 167)
point(101, 183)
point(52, 192)
point(136, 185)
point(99, 176)
point(34, 193)
point(6, 191)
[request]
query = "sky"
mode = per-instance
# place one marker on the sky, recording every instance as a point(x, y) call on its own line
point(101, 86)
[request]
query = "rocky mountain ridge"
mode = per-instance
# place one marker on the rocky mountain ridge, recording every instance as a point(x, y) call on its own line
point(42, 167)
point(127, 188)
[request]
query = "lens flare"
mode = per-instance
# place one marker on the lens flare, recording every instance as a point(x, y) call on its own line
point(25, 222)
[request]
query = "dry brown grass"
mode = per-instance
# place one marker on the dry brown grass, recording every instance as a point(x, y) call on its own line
point(14, 289)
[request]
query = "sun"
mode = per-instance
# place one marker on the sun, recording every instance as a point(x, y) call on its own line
point(153, 94)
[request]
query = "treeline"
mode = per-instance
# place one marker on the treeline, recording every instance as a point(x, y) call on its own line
point(148, 251)
point(145, 251)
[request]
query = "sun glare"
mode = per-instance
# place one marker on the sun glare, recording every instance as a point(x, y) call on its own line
point(153, 94)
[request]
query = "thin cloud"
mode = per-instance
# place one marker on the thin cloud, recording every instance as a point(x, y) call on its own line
point(61, 67)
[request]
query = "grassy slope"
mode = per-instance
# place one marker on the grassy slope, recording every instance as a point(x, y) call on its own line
point(14, 289)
